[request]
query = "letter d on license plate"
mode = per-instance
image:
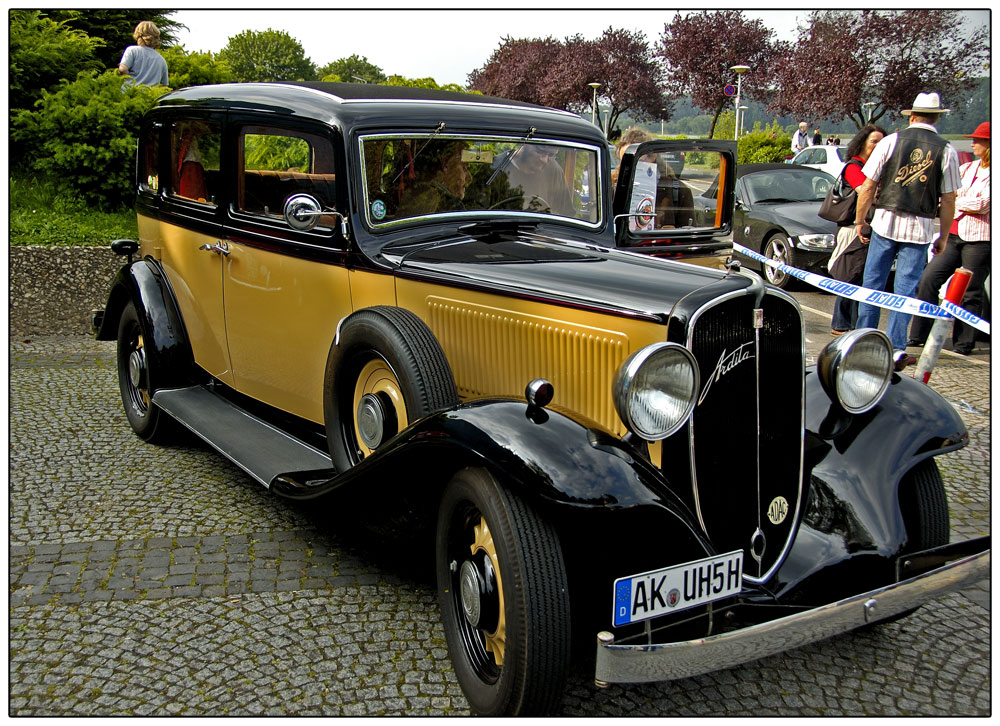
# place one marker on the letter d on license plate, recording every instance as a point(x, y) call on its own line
point(651, 594)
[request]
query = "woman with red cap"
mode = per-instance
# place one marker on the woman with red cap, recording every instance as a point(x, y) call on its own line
point(968, 246)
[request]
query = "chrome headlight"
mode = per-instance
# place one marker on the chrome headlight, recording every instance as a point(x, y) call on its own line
point(855, 369)
point(655, 390)
point(817, 241)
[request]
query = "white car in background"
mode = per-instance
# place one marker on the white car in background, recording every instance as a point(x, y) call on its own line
point(830, 159)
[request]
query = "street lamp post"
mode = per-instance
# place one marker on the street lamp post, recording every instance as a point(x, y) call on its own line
point(593, 108)
point(739, 121)
point(869, 105)
point(739, 71)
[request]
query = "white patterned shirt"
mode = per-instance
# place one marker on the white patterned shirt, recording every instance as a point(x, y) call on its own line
point(901, 226)
point(972, 206)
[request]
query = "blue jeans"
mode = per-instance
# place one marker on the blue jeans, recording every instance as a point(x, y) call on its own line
point(910, 261)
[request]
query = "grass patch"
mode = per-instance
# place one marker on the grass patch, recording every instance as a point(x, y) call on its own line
point(39, 215)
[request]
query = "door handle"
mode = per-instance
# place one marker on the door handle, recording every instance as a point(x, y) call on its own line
point(220, 248)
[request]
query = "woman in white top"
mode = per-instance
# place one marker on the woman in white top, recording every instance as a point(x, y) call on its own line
point(968, 246)
point(141, 62)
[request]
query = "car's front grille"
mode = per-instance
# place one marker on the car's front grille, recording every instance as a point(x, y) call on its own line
point(746, 431)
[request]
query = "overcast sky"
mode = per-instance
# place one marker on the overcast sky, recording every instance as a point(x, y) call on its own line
point(445, 44)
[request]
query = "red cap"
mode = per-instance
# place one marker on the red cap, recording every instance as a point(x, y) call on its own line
point(982, 132)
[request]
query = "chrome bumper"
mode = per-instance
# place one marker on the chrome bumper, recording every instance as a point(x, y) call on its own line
point(669, 661)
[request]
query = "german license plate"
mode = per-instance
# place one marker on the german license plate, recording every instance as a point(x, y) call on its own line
point(650, 594)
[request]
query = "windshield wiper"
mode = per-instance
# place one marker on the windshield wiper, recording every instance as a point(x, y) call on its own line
point(438, 129)
point(511, 155)
point(779, 200)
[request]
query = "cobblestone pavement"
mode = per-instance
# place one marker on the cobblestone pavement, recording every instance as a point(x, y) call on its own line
point(162, 581)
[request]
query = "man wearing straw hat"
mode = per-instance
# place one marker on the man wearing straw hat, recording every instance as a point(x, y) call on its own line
point(909, 174)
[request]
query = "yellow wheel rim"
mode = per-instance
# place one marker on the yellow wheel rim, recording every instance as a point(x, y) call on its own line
point(497, 640)
point(377, 378)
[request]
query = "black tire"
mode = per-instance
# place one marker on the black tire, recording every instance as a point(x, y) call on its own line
point(779, 249)
point(148, 421)
point(388, 357)
point(923, 503)
point(525, 622)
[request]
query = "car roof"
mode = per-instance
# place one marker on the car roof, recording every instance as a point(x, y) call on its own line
point(744, 169)
point(353, 104)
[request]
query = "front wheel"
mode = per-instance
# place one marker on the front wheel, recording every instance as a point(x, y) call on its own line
point(779, 250)
point(504, 598)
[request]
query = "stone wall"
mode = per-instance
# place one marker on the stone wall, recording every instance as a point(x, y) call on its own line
point(53, 289)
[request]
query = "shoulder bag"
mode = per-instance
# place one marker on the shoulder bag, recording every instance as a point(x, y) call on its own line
point(841, 201)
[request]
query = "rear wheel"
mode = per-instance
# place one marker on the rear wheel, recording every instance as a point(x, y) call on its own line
point(134, 374)
point(504, 598)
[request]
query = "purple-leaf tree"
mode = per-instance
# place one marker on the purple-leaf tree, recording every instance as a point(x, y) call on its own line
point(699, 49)
point(845, 59)
point(558, 74)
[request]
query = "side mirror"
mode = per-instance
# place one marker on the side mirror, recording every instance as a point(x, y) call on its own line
point(302, 212)
point(123, 247)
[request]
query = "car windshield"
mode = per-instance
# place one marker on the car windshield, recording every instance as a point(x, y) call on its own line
point(792, 185)
point(418, 176)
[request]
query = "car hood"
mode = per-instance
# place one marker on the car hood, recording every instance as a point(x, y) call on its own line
point(565, 272)
point(795, 217)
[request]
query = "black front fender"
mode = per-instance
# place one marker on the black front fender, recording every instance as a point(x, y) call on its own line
point(853, 468)
point(143, 283)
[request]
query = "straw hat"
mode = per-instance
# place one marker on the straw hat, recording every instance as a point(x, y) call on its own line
point(926, 103)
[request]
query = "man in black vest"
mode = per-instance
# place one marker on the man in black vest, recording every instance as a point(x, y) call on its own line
point(909, 174)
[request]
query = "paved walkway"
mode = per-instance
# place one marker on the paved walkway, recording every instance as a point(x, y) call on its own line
point(162, 581)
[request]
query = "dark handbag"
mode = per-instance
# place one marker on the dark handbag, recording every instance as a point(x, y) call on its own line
point(840, 203)
point(850, 266)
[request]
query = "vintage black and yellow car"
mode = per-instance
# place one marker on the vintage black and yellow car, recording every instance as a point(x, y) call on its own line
point(431, 304)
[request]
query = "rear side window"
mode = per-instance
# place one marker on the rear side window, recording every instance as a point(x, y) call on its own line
point(147, 170)
point(194, 160)
point(276, 164)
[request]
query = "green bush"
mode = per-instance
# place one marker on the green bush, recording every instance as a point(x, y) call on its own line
point(85, 136)
point(767, 145)
point(41, 53)
point(194, 69)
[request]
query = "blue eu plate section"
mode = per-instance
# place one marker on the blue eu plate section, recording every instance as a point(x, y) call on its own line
point(651, 594)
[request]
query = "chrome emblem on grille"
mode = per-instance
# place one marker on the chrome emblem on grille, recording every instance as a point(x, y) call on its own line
point(726, 363)
point(777, 510)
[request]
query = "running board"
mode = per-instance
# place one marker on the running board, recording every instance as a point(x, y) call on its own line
point(258, 448)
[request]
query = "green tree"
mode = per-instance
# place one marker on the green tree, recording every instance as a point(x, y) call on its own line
point(269, 55)
point(195, 69)
point(86, 134)
point(353, 69)
point(430, 83)
point(115, 28)
point(42, 53)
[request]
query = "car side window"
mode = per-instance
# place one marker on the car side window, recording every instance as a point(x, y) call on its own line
point(148, 168)
point(275, 164)
point(195, 146)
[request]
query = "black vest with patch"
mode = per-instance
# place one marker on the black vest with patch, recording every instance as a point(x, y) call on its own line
point(911, 178)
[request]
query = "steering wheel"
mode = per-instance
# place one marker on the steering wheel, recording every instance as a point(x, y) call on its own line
point(530, 197)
